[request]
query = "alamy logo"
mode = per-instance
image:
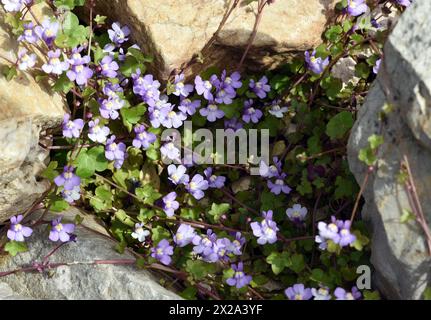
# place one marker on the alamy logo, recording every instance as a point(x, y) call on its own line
point(364, 280)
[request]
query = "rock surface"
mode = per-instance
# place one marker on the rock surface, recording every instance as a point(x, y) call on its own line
point(78, 282)
point(173, 31)
point(399, 252)
point(26, 110)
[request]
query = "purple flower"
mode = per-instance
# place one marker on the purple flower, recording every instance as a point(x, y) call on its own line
point(55, 65)
point(68, 179)
point(189, 107)
point(146, 87)
point(157, 115)
point(316, 65)
point(109, 67)
point(80, 72)
point(233, 81)
point(13, 5)
point(178, 174)
point(96, 132)
point(204, 246)
point(185, 235)
point(115, 152)
point(250, 113)
point(225, 94)
point(173, 119)
point(298, 292)
point(163, 252)
point(342, 294)
point(297, 213)
point(233, 124)
point(111, 90)
point(143, 139)
point(277, 111)
point(47, 31)
point(346, 238)
point(239, 278)
point(204, 87)
point(272, 171)
point(29, 35)
point(61, 231)
point(327, 232)
point(71, 196)
point(182, 89)
point(212, 112)
point(221, 249)
point(72, 129)
point(170, 151)
point(170, 204)
point(140, 233)
point(235, 246)
point(356, 7)
point(265, 231)
point(404, 3)
point(197, 186)
point(279, 185)
point(108, 107)
point(376, 67)
point(17, 232)
point(321, 293)
point(261, 87)
point(213, 180)
point(118, 34)
point(26, 61)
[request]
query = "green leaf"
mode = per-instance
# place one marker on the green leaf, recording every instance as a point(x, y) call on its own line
point(375, 141)
point(123, 217)
point(59, 205)
point(297, 263)
point(148, 194)
point(50, 173)
point(131, 116)
point(68, 4)
point(427, 293)
point(362, 70)
point(9, 72)
point(85, 164)
point(130, 65)
point(334, 33)
point(339, 125)
point(189, 293)
point(199, 269)
point(100, 20)
point(102, 200)
point(371, 295)
point(279, 261)
point(63, 84)
point(159, 233)
point(15, 247)
point(98, 154)
point(217, 210)
point(407, 216)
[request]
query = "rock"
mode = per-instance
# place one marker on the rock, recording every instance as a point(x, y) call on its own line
point(399, 250)
point(173, 33)
point(80, 282)
point(27, 109)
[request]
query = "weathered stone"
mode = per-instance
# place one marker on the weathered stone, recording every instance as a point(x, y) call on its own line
point(174, 31)
point(399, 250)
point(26, 110)
point(79, 282)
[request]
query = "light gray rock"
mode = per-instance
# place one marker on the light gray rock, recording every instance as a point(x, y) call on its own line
point(79, 282)
point(399, 250)
point(27, 109)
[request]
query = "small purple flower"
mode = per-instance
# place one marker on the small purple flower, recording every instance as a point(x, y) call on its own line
point(29, 35)
point(316, 65)
point(265, 231)
point(376, 67)
point(233, 81)
point(204, 246)
point(212, 112)
point(70, 196)
point(178, 174)
point(185, 235)
point(321, 293)
point(163, 252)
point(170, 151)
point(143, 139)
point(204, 87)
point(346, 237)
point(13, 5)
point(213, 180)
point(170, 204)
point(182, 89)
point(97, 133)
point(197, 186)
point(235, 246)
point(55, 65)
point(298, 292)
point(251, 114)
point(261, 87)
point(297, 213)
point(225, 94)
point(233, 124)
point(173, 119)
point(115, 152)
point(72, 129)
point(79, 72)
point(272, 171)
point(108, 107)
point(342, 294)
point(17, 232)
point(189, 107)
point(26, 61)
point(278, 111)
point(356, 7)
point(279, 185)
point(221, 249)
point(239, 278)
point(109, 67)
point(68, 179)
point(140, 233)
point(61, 231)
point(47, 31)
point(146, 87)
point(327, 232)
point(111, 90)
point(118, 34)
